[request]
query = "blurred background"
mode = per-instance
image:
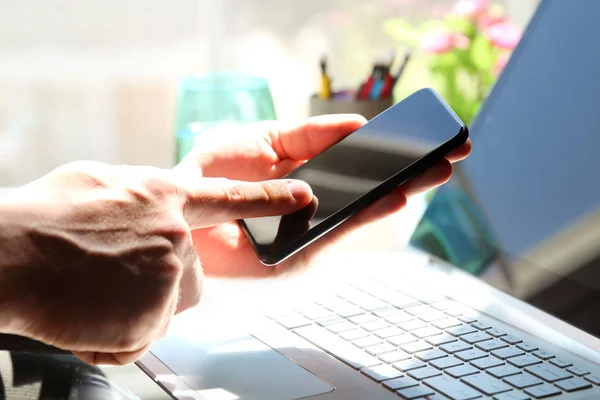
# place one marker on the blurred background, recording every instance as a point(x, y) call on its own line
point(99, 79)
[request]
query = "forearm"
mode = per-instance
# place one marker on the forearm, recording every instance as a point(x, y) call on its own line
point(15, 254)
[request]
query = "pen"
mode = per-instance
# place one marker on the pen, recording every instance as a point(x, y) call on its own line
point(401, 69)
point(325, 81)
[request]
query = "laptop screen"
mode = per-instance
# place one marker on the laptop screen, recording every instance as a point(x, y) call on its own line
point(534, 171)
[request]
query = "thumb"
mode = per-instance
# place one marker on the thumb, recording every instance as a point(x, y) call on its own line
point(213, 201)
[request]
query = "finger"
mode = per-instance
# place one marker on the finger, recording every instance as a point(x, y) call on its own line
point(190, 286)
point(306, 140)
point(212, 201)
point(295, 224)
point(461, 153)
point(121, 358)
point(431, 178)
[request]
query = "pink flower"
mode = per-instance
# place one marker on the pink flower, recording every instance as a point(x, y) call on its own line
point(437, 42)
point(501, 62)
point(469, 8)
point(461, 41)
point(488, 19)
point(504, 35)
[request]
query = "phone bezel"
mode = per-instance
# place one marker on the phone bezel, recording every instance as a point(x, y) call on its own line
point(339, 217)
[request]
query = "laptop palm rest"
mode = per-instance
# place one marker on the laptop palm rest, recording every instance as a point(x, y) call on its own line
point(239, 367)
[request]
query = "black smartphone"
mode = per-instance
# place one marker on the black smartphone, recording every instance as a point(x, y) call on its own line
point(386, 152)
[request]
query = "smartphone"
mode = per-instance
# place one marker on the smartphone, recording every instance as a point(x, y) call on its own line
point(386, 152)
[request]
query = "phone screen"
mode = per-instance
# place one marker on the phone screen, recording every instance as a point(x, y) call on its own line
point(359, 163)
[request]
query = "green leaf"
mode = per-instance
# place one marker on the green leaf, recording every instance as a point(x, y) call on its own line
point(450, 59)
point(482, 53)
point(402, 31)
point(460, 25)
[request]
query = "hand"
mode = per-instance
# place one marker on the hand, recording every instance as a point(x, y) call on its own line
point(96, 259)
point(269, 151)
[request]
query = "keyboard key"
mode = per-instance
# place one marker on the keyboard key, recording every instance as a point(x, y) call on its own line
point(354, 334)
point(342, 350)
point(433, 316)
point(409, 365)
point(429, 355)
point(455, 311)
point(476, 337)
point(414, 347)
point(461, 330)
point(504, 370)
point(394, 356)
point(467, 319)
point(426, 332)
point(539, 392)
point(469, 355)
point(487, 362)
point(402, 339)
point(387, 332)
point(461, 370)
point(524, 361)
point(455, 347)
point(560, 363)
point(548, 372)
point(381, 372)
point(573, 384)
point(508, 352)
point(415, 392)
point(362, 318)
point(385, 312)
point(400, 383)
point(490, 345)
point(523, 380)
point(346, 311)
point(446, 362)
point(401, 316)
point(486, 384)
point(527, 346)
point(293, 321)
point(440, 339)
point(577, 371)
point(367, 341)
point(482, 326)
point(544, 355)
point(412, 325)
point(444, 305)
point(374, 325)
point(405, 302)
point(380, 349)
point(451, 388)
point(512, 396)
point(495, 332)
point(314, 311)
point(420, 309)
point(343, 327)
point(334, 319)
point(592, 378)
point(446, 323)
point(424, 373)
point(510, 339)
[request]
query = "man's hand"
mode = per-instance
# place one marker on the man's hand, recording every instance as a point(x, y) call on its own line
point(269, 151)
point(97, 259)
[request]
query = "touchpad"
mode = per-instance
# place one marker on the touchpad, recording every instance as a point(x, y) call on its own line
point(240, 366)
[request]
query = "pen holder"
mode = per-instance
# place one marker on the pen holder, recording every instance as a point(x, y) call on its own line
point(340, 104)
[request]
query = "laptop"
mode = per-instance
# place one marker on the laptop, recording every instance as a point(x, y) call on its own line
point(408, 325)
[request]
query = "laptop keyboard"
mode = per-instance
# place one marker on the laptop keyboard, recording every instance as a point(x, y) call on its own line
point(422, 345)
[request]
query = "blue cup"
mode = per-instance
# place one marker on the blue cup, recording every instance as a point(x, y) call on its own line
point(207, 102)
